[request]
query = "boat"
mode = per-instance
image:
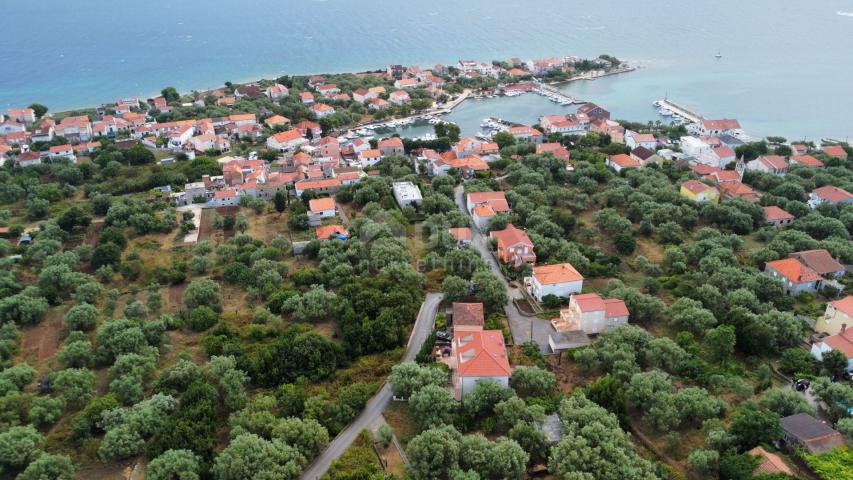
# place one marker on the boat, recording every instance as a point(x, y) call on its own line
point(718, 55)
point(657, 103)
point(664, 112)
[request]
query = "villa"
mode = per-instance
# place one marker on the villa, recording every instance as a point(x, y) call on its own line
point(560, 280)
point(514, 247)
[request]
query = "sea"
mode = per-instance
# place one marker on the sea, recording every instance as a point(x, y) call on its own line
point(786, 66)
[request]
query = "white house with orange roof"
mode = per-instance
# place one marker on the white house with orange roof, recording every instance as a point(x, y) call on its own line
point(591, 314)
point(286, 141)
point(274, 92)
point(496, 200)
point(61, 151)
point(560, 280)
point(835, 151)
point(399, 97)
point(462, 235)
point(807, 160)
point(526, 133)
point(479, 356)
point(321, 110)
point(307, 98)
point(26, 116)
point(776, 216)
point(841, 342)
point(277, 121)
point(226, 198)
point(724, 126)
point(829, 194)
point(406, 83)
point(327, 89)
point(774, 164)
point(369, 158)
point(323, 207)
point(634, 140)
point(621, 161)
point(795, 275)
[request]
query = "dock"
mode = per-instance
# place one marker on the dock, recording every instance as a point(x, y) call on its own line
point(555, 95)
point(682, 112)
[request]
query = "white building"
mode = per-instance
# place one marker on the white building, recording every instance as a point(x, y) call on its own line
point(843, 342)
point(560, 280)
point(591, 314)
point(407, 193)
point(480, 356)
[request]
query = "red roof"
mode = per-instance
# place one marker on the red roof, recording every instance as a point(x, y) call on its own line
point(461, 234)
point(794, 270)
point(772, 213)
point(843, 342)
point(696, 186)
point(512, 236)
point(769, 462)
point(624, 160)
point(391, 142)
point(722, 124)
point(481, 354)
point(592, 302)
point(774, 161)
point(326, 231)
point(287, 136)
point(469, 314)
point(832, 194)
point(228, 193)
point(845, 305)
point(559, 273)
point(325, 183)
point(807, 160)
point(835, 151)
point(321, 204)
point(495, 200)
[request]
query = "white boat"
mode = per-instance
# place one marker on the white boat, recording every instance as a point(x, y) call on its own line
point(664, 112)
point(657, 103)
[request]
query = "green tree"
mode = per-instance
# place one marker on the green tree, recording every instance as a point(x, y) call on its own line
point(280, 201)
point(174, 465)
point(250, 456)
point(75, 385)
point(307, 435)
point(433, 406)
point(434, 453)
point(170, 94)
point(49, 466)
point(833, 363)
point(409, 377)
point(533, 381)
point(203, 292)
point(19, 446)
point(46, 410)
point(752, 425)
point(704, 462)
point(39, 109)
point(503, 139)
point(786, 402)
point(720, 343)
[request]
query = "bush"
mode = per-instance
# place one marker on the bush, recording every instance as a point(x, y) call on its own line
point(202, 318)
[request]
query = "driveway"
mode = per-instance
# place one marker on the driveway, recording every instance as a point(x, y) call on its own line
point(192, 236)
point(376, 405)
point(523, 328)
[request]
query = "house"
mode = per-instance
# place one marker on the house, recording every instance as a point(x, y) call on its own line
point(699, 192)
point(321, 110)
point(634, 140)
point(277, 121)
point(526, 134)
point(829, 194)
point(328, 232)
point(61, 151)
point(226, 198)
point(325, 185)
point(725, 126)
point(514, 246)
point(248, 91)
point(28, 159)
point(835, 151)
point(560, 280)
point(806, 160)
point(27, 116)
point(796, 277)
point(307, 98)
point(799, 148)
point(621, 161)
point(591, 314)
point(276, 91)
point(324, 207)
point(594, 112)
point(308, 128)
point(821, 261)
point(769, 463)
point(480, 356)
point(775, 216)
point(842, 342)
point(399, 97)
point(734, 189)
point(407, 193)
point(645, 156)
point(286, 141)
point(496, 200)
point(467, 316)
point(774, 164)
point(482, 216)
point(804, 431)
point(378, 104)
point(329, 147)
point(327, 89)
point(75, 129)
point(406, 83)
point(391, 146)
point(363, 95)
point(462, 235)
point(555, 149)
point(44, 131)
point(369, 158)
point(10, 126)
point(837, 317)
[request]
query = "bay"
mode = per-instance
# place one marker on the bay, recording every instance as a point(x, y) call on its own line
point(785, 69)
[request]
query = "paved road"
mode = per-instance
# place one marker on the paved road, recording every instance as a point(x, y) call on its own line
point(519, 324)
point(376, 405)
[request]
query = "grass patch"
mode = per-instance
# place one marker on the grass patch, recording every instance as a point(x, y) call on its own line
point(401, 420)
point(359, 461)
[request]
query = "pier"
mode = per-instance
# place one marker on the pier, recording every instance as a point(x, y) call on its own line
point(680, 111)
point(555, 95)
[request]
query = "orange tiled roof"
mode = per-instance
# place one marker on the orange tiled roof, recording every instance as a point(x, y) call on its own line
point(559, 273)
point(794, 270)
point(481, 354)
point(321, 204)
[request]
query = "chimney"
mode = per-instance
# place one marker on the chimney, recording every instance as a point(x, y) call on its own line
point(843, 327)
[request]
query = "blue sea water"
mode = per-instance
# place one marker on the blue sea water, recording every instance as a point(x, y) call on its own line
point(787, 66)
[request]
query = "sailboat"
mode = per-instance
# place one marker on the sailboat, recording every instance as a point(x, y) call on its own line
point(718, 55)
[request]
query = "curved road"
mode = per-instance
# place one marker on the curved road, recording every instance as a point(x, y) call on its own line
point(376, 405)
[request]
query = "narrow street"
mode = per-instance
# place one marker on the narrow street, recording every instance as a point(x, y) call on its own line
point(376, 405)
point(520, 325)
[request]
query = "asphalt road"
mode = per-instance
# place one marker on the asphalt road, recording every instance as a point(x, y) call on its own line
point(519, 324)
point(376, 405)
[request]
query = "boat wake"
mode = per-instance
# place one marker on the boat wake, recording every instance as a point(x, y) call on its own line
point(845, 14)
